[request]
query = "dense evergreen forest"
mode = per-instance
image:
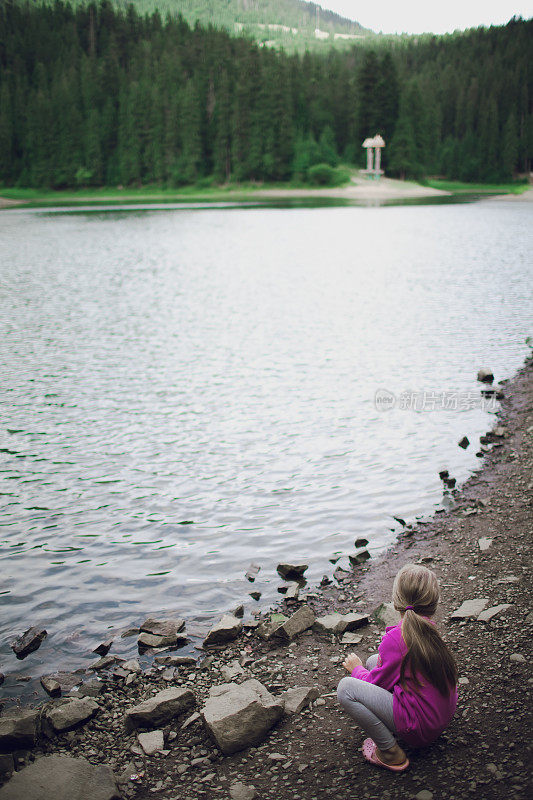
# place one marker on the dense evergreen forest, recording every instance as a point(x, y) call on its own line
point(287, 23)
point(93, 95)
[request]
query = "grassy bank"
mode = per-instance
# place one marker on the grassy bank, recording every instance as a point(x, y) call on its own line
point(230, 192)
point(458, 187)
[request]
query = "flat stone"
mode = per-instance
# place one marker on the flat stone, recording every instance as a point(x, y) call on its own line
point(340, 623)
point(464, 442)
point(361, 542)
point(299, 697)
point(159, 709)
point(50, 686)
point(387, 615)
point(131, 666)
point(518, 658)
point(62, 778)
point(293, 591)
point(303, 619)
point(231, 671)
point(484, 543)
point(489, 613)
point(240, 715)
point(470, 608)
point(529, 618)
point(152, 742)
point(425, 794)
point(359, 558)
point(103, 648)
point(28, 642)
point(292, 572)
point(227, 629)
point(148, 641)
point(103, 663)
point(68, 713)
point(176, 661)
point(195, 716)
point(240, 791)
point(351, 638)
point(92, 688)
point(163, 627)
point(67, 680)
point(18, 729)
point(125, 776)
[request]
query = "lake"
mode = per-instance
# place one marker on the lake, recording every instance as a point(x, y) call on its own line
point(185, 391)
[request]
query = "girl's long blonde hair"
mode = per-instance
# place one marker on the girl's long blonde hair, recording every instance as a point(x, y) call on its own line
point(415, 595)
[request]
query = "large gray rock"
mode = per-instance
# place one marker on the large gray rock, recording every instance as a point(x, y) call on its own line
point(387, 615)
point(67, 680)
point(339, 623)
point(62, 778)
point(163, 627)
point(18, 729)
point(303, 619)
point(51, 686)
point(240, 715)
point(147, 641)
point(28, 642)
point(470, 608)
point(70, 712)
point(162, 633)
point(159, 709)
point(299, 697)
point(227, 629)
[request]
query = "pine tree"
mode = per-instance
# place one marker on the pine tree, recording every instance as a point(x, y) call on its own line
point(510, 146)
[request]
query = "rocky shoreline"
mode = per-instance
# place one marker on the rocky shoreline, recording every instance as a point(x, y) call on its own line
point(179, 728)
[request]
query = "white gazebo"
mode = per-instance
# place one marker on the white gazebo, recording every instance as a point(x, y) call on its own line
point(373, 147)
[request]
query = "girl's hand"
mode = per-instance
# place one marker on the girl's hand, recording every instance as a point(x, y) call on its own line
point(352, 661)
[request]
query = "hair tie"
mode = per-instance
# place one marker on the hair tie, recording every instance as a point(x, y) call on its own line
point(409, 608)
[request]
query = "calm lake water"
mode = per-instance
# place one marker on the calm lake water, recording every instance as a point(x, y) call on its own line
point(184, 392)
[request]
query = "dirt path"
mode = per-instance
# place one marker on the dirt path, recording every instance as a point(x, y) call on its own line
point(315, 755)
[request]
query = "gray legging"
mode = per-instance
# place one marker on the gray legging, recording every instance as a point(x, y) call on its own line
point(370, 706)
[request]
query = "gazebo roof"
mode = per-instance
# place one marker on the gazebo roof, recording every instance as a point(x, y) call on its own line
point(374, 141)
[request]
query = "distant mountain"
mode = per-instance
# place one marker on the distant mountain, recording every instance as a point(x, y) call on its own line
point(292, 24)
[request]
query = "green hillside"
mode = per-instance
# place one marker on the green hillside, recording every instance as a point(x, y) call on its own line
point(289, 24)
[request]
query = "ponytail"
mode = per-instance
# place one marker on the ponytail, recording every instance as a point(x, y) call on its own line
point(427, 654)
point(416, 595)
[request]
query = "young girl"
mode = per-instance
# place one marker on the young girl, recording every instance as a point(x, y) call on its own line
point(409, 687)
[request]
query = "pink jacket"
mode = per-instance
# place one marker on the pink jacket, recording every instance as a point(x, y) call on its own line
point(420, 712)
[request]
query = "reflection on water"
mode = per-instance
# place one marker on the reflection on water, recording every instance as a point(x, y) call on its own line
point(183, 393)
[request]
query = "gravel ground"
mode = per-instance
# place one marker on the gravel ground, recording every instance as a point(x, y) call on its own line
point(316, 754)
